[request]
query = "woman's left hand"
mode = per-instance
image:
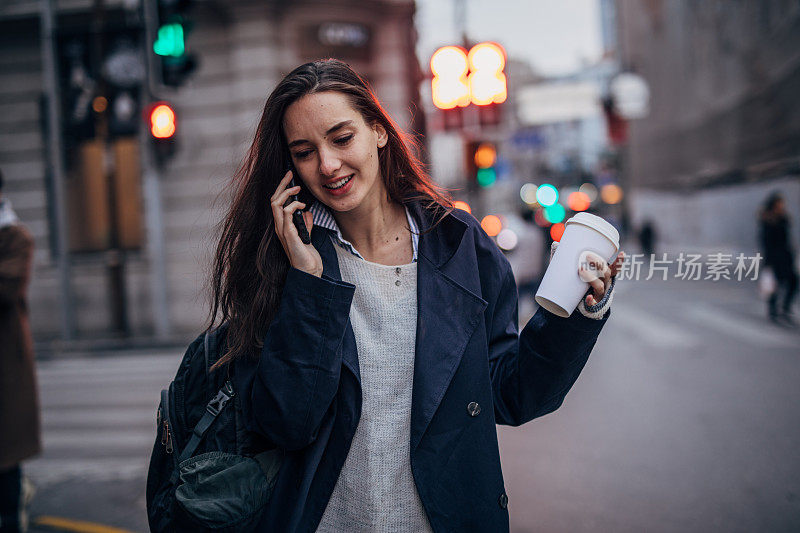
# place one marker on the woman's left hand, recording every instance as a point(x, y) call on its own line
point(598, 274)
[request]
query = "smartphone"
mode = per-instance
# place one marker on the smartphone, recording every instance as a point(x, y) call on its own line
point(303, 196)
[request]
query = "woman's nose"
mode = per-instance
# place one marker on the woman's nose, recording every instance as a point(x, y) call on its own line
point(329, 163)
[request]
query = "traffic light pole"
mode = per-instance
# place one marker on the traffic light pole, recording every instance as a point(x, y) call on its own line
point(115, 256)
point(60, 228)
point(152, 193)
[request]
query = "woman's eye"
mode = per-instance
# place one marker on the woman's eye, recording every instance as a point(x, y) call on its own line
point(303, 154)
point(344, 140)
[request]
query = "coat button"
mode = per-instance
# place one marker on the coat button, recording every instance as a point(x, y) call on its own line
point(473, 409)
point(503, 500)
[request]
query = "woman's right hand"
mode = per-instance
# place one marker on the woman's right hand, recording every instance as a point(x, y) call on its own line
point(301, 256)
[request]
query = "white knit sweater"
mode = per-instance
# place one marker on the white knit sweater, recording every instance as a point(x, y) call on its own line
point(375, 491)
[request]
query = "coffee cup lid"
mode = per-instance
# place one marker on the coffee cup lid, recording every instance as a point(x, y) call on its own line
point(598, 224)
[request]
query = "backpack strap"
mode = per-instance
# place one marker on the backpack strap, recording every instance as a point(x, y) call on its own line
point(205, 352)
point(213, 409)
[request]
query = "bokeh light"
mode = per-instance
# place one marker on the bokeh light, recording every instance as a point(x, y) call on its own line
point(491, 225)
point(99, 104)
point(540, 219)
point(589, 190)
point(546, 195)
point(611, 193)
point(507, 239)
point(486, 177)
point(528, 193)
point(464, 206)
point(485, 155)
point(555, 213)
point(564, 194)
point(578, 201)
point(556, 231)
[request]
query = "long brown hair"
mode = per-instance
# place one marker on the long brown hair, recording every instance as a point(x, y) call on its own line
point(250, 264)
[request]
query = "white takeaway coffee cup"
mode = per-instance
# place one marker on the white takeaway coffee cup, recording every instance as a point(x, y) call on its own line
point(562, 288)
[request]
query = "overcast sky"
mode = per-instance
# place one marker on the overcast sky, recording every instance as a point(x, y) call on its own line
point(555, 36)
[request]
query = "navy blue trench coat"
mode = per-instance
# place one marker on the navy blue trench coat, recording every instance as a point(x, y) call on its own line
point(303, 393)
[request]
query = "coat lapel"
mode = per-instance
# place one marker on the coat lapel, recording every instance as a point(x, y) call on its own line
point(447, 315)
point(330, 267)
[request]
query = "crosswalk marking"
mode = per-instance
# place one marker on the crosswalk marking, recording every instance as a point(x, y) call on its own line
point(99, 416)
point(96, 440)
point(741, 328)
point(700, 324)
point(56, 417)
point(652, 329)
point(48, 471)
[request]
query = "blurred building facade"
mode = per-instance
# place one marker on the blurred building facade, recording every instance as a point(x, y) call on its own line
point(244, 47)
point(724, 124)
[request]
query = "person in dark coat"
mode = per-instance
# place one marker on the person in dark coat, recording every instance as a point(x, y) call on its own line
point(778, 255)
point(647, 239)
point(19, 404)
point(381, 354)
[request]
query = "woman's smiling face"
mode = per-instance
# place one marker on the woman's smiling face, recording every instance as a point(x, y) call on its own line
point(335, 151)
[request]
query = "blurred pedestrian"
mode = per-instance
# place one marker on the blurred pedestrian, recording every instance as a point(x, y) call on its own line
point(396, 292)
point(779, 257)
point(647, 239)
point(19, 405)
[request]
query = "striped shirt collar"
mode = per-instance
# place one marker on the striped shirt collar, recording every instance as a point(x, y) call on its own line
point(324, 218)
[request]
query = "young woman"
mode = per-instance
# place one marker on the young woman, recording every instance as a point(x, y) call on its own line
point(381, 355)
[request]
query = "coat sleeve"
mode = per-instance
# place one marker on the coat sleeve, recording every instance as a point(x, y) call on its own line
point(16, 256)
point(293, 382)
point(531, 373)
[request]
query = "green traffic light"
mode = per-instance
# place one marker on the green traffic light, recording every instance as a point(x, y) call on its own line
point(486, 177)
point(170, 40)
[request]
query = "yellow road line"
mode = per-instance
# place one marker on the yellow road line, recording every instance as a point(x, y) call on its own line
point(78, 526)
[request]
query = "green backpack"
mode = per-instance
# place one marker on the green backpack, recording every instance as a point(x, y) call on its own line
point(207, 472)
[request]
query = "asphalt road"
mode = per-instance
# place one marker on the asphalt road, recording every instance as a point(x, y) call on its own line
point(684, 419)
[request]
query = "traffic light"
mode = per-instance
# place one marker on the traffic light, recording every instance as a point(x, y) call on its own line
point(169, 46)
point(100, 78)
point(162, 121)
point(163, 126)
point(481, 163)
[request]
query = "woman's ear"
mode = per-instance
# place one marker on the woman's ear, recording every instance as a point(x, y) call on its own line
point(381, 134)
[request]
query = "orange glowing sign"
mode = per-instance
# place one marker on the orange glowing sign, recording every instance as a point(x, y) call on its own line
point(487, 83)
point(460, 78)
point(449, 86)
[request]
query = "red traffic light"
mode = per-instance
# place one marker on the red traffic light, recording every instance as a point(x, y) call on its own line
point(162, 121)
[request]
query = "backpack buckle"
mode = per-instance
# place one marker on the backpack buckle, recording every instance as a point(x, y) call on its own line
point(219, 401)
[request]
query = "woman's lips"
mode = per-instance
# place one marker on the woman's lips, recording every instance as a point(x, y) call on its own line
point(343, 189)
